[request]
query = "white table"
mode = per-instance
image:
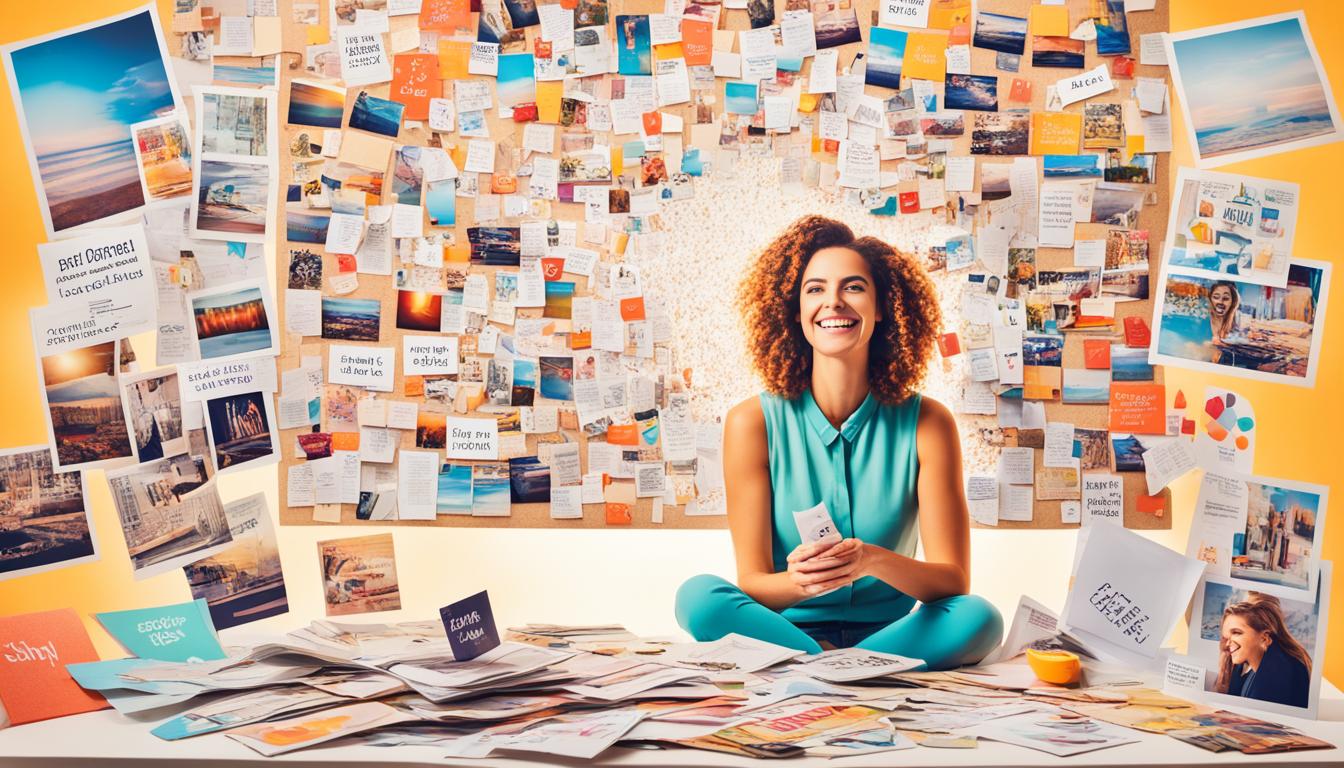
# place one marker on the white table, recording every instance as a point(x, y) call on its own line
point(106, 738)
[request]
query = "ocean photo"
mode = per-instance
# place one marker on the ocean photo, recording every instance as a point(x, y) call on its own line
point(441, 202)
point(740, 98)
point(1064, 166)
point(557, 378)
point(79, 94)
point(1063, 52)
point(454, 497)
point(351, 319)
point(1112, 29)
point(1005, 34)
point(306, 227)
point(516, 84)
point(886, 52)
point(1130, 363)
point(375, 115)
point(972, 92)
point(1235, 108)
point(490, 490)
point(231, 197)
point(1085, 386)
point(836, 23)
point(316, 105)
point(634, 50)
point(234, 74)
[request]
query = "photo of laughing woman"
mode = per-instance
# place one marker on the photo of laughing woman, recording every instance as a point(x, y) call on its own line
point(841, 330)
point(1259, 657)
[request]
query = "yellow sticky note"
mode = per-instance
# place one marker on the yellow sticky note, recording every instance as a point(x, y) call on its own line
point(925, 56)
point(1055, 133)
point(668, 51)
point(549, 93)
point(1133, 144)
point(807, 102)
point(453, 58)
point(366, 150)
point(266, 36)
point(1050, 20)
point(317, 34)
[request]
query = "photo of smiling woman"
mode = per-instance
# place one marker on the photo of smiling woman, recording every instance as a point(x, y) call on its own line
point(841, 330)
point(1258, 657)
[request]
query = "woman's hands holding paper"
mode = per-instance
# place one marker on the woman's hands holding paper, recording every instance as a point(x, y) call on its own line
point(824, 566)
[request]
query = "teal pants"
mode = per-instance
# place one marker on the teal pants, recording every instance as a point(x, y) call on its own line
point(945, 634)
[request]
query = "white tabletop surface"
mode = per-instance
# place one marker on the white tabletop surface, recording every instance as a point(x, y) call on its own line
point(107, 738)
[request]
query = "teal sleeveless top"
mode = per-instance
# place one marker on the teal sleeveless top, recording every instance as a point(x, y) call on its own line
point(866, 472)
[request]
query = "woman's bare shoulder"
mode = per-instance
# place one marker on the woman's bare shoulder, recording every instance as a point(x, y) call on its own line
point(936, 426)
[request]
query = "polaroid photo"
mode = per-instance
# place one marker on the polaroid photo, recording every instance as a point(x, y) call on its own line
point(153, 403)
point(163, 159)
point(234, 164)
point(81, 397)
point(77, 92)
point(1243, 329)
point(1225, 224)
point(1253, 647)
point(44, 516)
point(243, 431)
point(359, 575)
point(170, 513)
point(1260, 531)
point(233, 320)
point(1236, 112)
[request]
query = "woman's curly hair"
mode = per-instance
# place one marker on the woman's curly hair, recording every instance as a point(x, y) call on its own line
point(902, 343)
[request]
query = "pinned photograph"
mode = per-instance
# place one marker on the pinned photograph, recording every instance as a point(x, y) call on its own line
point(971, 92)
point(1103, 126)
point(233, 320)
point(375, 115)
point(77, 92)
point(490, 488)
point(495, 246)
point(154, 411)
point(454, 491)
point(835, 22)
point(1235, 112)
point(1227, 224)
point(1064, 52)
point(419, 311)
point(314, 104)
point(1139, 168)
point(44, 516)
point(997, 32)
point(85, 416)
point(1243, 329)
point(350, 319)
point(244, 582)
point(886, 52)
point(231, 200)
point(170, 514)
point(359, 575)
point(242, 430)
point(163, 158)
point(1112, 27)
point(634, 48)
point(234, 121)
point(1000, 133)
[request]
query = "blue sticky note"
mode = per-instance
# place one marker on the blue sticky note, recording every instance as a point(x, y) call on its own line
point(181, 632)
point(470, 625)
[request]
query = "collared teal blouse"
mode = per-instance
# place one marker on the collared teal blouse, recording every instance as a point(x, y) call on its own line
point(866, 472)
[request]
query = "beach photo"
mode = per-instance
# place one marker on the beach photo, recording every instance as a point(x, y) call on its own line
point(1130, 363)
point(886, 52)
point(233, 320)
point(1112, 27)
point(163, 158)
point(441, 202)
point(243, 583)
point(315, 104)
point(1234, 112)
point(44, 516)
point(1071, 166)
point(350, 319)
point(359, 575)
point(997, 32)
point(375, 115)
point(154, 411)
point(1062, 52)
point(1000, 133)
point(234, 121)
point(77, 92)
point(84, 408)
point(1243, 329)
point(419, 311)
point(242, 430)
point(1228, 224)
point(835, 23)
point(304, 226)
point(980, 92)
point(231, 200)
point(516, 84)
point(634, 49)
point(170, 514)
point(740, 97)
point(244, 71)
point(490, 493)
point(454, 494)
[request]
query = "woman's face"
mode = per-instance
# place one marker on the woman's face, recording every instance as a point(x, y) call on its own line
point(1243, 643)
point(1220, 301)
point(837, 306)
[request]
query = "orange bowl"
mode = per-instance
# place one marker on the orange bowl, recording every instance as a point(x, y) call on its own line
point(1057, 667)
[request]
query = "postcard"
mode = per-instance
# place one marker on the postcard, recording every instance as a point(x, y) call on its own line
point(77, 92)
point(34, 684)
point(234, 320)
point(1236, 113)
point(86, 421)
point(886, 51)
point(1260, 530)
point(1000, 133)
point(45, 516)
point(163, 158)
point(1255, 648)
point(1248, 330)
point(243, 431)
point(181, 632)
point(170, 514)
point(375, 115)
point(349, 319)
point(244, 582)
point(1225, 224)
point(359, 574)
point(280, 736)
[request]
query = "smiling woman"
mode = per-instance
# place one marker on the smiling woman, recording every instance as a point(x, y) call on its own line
point(842, 329)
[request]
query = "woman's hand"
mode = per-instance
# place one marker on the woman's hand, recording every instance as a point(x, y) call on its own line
point(822, 566)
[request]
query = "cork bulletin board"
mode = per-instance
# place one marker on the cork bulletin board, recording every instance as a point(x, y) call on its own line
point(508, 138)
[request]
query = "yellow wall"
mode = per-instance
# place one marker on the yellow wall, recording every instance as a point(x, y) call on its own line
point(630, 576)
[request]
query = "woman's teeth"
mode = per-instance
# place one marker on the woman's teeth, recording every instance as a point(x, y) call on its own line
point(837, 323)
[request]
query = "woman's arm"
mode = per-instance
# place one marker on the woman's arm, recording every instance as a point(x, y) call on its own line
point(746, 477)
point(944, 525)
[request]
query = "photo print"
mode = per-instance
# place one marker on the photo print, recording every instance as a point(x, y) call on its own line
point(233, 320)
point(359, 575)
point(1227, 224)
point(244, 582)
point(242, 430)
point(170, 513)
point(45, 520)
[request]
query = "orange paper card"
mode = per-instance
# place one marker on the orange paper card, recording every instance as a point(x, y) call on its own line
point(697, 41)
point(34, 649)
point(1049, 20)
point(447, 15)
point(632, 308)
point(1138, 408)
point(623, 434)
point(1097, 354)
point(925, 56)
point(453, 58)
point(1055, 133)
point(415, 80)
